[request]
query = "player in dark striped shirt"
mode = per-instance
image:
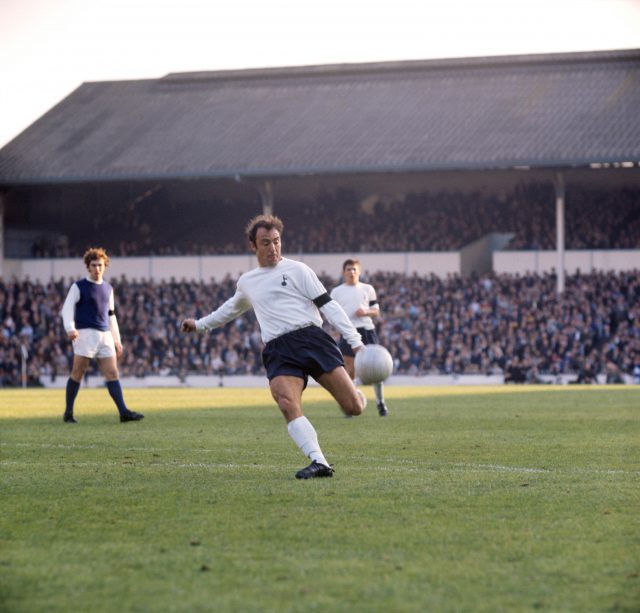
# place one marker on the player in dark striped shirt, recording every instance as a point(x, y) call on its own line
point(89, 319)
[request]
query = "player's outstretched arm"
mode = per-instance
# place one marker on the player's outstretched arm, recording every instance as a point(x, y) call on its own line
point(338, 319)
point(188, 325)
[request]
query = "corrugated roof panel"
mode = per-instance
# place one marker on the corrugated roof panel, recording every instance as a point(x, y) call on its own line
point(481, 113)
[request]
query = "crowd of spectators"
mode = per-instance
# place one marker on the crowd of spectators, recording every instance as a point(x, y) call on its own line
point(425, 221)
point(512, 325)
point(497, 324)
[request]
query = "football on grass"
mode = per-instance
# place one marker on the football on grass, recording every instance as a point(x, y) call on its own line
point(373, 364)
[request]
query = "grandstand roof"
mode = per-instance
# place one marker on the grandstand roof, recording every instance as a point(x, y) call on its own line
point(538, 111)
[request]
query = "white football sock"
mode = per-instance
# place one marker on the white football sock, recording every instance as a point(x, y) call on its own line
point(377, 388)
point(304, 435)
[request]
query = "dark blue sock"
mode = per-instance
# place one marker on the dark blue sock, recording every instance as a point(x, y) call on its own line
point(72, 392)
point(115, 391)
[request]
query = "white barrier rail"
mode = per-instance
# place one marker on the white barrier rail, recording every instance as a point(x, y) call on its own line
point(250, 381)
point(204, 268)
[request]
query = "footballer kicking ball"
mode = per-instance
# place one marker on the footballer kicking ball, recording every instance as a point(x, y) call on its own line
point(373, 364)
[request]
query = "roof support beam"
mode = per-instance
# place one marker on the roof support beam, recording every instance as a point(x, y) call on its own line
point(265, 191)
point(1, 234)
point(558, 184)
point(266, 197)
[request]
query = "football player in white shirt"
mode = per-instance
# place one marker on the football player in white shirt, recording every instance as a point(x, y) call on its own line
point(287, 298)
point(360, 303)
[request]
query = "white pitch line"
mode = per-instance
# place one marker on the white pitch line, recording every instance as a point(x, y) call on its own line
point(417, 467)
point(139, 465)
point(103, 447)
point(401, 464)
point(501, 468)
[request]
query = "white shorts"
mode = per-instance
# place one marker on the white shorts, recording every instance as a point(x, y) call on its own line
point(94, 344)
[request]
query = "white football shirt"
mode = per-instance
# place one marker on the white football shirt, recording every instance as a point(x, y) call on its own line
point(354, 297)
point(282, 298)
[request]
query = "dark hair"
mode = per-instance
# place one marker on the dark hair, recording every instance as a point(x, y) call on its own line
point(268, 222)
point(351, 262)
point(95, 253)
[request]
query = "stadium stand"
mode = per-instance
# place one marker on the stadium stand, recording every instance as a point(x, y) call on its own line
point(497, 324)
point(99, 155)
point(96, 169)
point(426, 221)
point(544, 111)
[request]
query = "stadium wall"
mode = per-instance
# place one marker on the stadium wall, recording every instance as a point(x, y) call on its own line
point(205, 268)
point(203, 381)
point(523, 262)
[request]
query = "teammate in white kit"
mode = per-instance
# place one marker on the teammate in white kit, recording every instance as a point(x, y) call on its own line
point(287, 298)
point(360, 303)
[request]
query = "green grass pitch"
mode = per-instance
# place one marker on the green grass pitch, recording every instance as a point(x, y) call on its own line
point(465, 499)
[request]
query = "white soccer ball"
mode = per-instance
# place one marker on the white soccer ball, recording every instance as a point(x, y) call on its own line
point(373, 364)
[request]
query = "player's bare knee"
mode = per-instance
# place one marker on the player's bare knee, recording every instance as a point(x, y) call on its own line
point(110, 374)
point(77, 373)
point(289, 408)
point(290, 411)
point(354, 407)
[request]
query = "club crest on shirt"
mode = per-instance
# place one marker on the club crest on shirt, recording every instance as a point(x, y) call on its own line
point(284, 280)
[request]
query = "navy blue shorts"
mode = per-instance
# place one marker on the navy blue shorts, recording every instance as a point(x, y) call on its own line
point(369, 337)
point(303, 352)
